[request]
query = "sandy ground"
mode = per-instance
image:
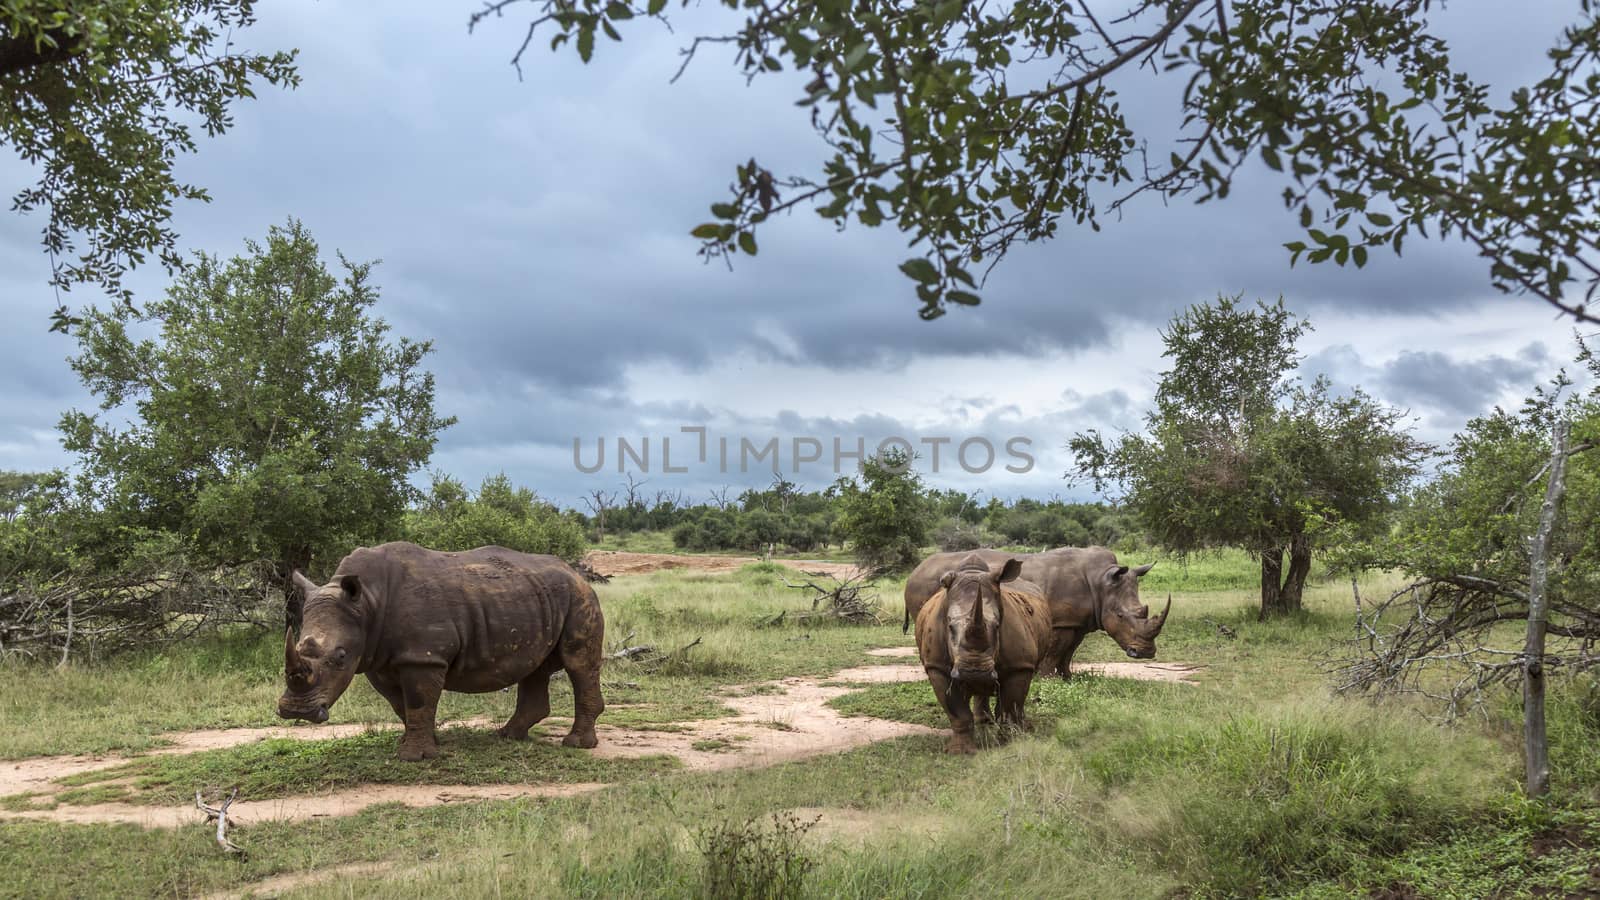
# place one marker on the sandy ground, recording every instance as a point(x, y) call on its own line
point(622, 562)
point(774, 722)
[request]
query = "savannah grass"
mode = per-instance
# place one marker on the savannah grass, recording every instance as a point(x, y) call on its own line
point(1256, 782)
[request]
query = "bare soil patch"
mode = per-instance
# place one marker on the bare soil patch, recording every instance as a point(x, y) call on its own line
point(622, 562)
point(37, 774)
point(793, 722)
point(334, 803)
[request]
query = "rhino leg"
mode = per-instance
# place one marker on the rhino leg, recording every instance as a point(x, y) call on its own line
point(1013, 701)
point(980, 709)
point(587, 706)
point(1067, 641)
point(533, 704)
point(953, 698)
point(582, 652)
point(390, 691)
point(421, 686)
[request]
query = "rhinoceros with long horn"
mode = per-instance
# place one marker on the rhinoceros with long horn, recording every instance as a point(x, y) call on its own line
point(982, 634)
point(1086, 588)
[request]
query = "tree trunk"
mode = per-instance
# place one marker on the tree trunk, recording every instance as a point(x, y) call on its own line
point(1271, 583)
point(1536, 749)
point(1294, 583)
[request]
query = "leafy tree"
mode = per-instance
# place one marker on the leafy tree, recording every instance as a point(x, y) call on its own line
point(884, 516)
point(973, 127)
point(271, 418)
point(501, 514)
point(1463, 545)
point(1239, 453)
point(15, 488)
point(100, 96)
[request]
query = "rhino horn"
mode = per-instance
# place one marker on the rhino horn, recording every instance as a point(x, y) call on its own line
point(291, 659)
point(1162, 619)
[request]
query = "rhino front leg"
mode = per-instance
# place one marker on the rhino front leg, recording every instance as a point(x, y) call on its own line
point(1067, 641)
point(421, 686)
point(980, 709)
point(389, 690)
point(533, 704)
point(1013, 700)
point(954, 699)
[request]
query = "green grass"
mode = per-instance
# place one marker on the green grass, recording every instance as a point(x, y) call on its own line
point(1256, 782)
point(281, 767)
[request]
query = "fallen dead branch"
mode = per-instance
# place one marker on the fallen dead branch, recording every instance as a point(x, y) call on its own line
point(589, 573)
point(647, 658)
point(849, 600)
point(220, 815)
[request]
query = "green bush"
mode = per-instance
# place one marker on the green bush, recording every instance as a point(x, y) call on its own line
point(501, 514)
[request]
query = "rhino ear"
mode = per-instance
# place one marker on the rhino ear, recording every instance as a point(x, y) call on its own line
point(1009, 571)
point(946, 579)
point(1116, 572)
point(351, 585)
point(305, 585)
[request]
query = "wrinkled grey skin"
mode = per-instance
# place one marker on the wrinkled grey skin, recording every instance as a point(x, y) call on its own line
point(1086, 588)
point(418, 622)
point(982, 635)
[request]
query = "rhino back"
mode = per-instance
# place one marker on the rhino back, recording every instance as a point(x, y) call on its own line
point(1065, 576)
point(491, 615)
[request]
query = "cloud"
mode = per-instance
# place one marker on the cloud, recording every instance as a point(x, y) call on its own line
point(537, 232)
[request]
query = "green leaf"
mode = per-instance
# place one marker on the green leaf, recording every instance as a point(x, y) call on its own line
point(920, 269)
point(585, 43)
point(724, 210)
point(655, 7)
point(610, 32)
point(747, 242)
point(962, 297)
point(1360, 254)
point(706, 232)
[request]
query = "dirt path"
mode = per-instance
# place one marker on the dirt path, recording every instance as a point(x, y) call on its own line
point(37, 774)
point(623, 562)
point(774, 722)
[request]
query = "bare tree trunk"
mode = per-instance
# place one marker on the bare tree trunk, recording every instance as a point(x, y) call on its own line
point(1294, 583)
point(1271, 583)
point(1536, 747)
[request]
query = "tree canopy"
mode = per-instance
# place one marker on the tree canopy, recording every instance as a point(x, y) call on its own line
point(1463, 543)
point(1239, 452)
point(883, 512)
point(101, 96)
point(271, 417)
point(974, 127)
point(502, 514)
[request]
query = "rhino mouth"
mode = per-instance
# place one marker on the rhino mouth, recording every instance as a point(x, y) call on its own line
point(316, 714)
point(1142, 654)
point(975, 676)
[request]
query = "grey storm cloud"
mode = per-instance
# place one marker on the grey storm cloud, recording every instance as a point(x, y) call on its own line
point(1431, 378)
point(537, 232)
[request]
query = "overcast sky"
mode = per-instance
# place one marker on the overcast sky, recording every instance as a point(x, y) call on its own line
point(537, 232)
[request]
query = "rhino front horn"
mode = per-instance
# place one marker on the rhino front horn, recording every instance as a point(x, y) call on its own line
point(291, 659)
point(1166, 610)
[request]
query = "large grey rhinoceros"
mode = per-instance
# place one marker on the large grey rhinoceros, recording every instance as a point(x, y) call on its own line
point(1087, 590)
point(418, 622)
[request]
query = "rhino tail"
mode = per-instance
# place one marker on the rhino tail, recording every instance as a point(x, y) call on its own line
point(905, 626)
